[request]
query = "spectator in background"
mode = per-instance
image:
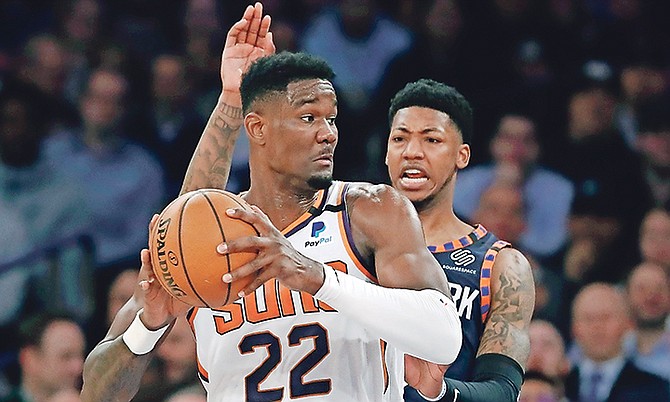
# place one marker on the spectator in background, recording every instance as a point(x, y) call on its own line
point(46, 265)
point(648, 345)
point(547, 351)
point(548, 195)
point(51, 357)
point(537, 387)
point(600, 319)
point(44, 65)
point(359, 42)
point(610, 195)
point(123, 183)
point(653, 144)
point(639, 81)
point(176, 124)
point(81, 30)
point(120, 291)
point(201, 47)
point(193, 393)
point(654, 241)
point(176, 365)
point(70, 395)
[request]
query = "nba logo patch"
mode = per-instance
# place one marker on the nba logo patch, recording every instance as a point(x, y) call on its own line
point(318, 228)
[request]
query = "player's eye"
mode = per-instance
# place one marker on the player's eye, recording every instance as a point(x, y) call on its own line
point(308, 118)
point(331, 121)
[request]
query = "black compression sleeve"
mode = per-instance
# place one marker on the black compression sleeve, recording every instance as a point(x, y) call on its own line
point(497, 378)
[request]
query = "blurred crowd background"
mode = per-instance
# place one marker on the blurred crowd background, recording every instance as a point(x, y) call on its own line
point(102, 104)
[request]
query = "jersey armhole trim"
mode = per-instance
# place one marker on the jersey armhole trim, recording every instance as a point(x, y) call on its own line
point(367, 269)
point(485, 276)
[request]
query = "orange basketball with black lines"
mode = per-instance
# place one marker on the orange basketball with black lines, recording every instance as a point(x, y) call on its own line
point(183, 247)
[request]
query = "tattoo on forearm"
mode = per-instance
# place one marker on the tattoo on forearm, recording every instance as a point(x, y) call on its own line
point(232, 113)
point(513, 303)
point(211, 163)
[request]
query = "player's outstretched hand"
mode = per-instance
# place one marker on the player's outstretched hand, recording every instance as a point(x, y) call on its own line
point(424, 376)
point(160, 307)
point(247, 40)
point(276, 256)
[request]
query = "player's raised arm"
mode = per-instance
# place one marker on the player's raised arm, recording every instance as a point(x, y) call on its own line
point(247, 40)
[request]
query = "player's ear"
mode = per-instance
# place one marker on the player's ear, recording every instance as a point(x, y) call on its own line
point(463, 157)
point(254, 124)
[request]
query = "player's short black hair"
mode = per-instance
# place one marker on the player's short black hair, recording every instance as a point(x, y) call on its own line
point(273, 73)
point(439, 96)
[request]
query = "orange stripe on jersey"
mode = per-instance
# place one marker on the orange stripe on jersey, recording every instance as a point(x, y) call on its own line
point(385, 369)
point(479, 232)
point(201, 371)
point(271, 311)
point(307, 215)
point(345, 239)
point(190, 318)
point(485, 276)
point(286, 301)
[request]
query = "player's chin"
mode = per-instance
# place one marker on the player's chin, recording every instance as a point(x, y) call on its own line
point(320, 181)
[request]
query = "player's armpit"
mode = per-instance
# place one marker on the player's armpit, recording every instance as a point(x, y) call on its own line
point(512, 304)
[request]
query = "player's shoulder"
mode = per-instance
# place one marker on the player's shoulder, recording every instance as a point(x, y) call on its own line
point(374, 195)
point(511, 261)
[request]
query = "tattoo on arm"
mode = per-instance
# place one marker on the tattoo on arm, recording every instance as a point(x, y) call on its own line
point(113, 373)
point(211, 162)
point(513, 300)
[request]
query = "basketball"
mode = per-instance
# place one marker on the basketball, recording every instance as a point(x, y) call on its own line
point(183, 247)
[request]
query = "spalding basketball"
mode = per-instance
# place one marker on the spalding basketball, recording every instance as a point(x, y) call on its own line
point(183, 247)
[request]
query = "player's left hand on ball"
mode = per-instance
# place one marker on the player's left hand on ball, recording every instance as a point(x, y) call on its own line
point(276, 257)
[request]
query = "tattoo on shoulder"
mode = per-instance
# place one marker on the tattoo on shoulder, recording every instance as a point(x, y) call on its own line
point(512, 304)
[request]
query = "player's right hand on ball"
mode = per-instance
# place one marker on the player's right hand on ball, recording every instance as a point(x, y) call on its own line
point(276, 256)
point(160, 308)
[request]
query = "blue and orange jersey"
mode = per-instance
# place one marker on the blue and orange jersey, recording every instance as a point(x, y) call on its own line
point(467, 262)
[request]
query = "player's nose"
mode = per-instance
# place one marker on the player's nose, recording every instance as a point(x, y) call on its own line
point(327, 132)
point(412, 150)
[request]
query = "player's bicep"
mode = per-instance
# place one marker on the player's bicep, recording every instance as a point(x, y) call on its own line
point(512, 304)
point(389, 225)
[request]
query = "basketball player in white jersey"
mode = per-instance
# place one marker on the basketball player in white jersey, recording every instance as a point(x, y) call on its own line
point(345, 286)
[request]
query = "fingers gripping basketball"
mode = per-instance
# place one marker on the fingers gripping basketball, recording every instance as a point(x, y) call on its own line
point(183, 247)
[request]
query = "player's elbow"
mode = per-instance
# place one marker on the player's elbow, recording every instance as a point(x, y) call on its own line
point(451, 335)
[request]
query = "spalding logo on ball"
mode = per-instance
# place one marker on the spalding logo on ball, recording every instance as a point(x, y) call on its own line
point(183, 247)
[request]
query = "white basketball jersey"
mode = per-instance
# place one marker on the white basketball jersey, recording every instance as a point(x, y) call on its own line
point(283, 345)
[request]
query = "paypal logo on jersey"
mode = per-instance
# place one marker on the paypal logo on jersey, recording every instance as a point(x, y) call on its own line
point(318, 227)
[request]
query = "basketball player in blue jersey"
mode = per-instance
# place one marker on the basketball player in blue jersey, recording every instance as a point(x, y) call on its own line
point(337, 301)
point(491, 282)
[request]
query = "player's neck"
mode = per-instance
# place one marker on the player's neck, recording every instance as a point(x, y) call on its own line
point(283, 204)
point(441, 225)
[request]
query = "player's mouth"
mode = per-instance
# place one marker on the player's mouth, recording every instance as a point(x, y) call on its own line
point(413, 178)
point(325, 159)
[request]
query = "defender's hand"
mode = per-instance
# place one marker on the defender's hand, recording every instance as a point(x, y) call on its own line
point(276, 256)
point(247, 40)
point(425, 376)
